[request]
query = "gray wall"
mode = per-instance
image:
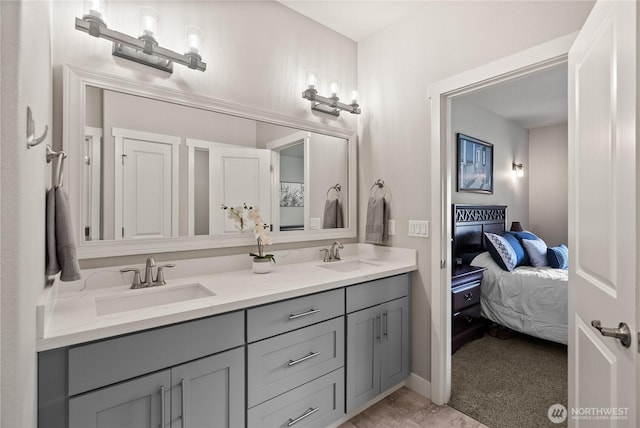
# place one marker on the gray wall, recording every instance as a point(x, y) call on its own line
point(548, 183)
point(395, 68)
point(25, 40)
point(510, 144)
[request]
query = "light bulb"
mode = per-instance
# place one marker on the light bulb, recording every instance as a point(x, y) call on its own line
point(334, 88)
point(149, 22)
point(194, 36)
point(354, 96)
point(94, 8)
point(312, 80)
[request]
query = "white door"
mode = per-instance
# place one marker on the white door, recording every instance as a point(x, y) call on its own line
point(147, 189)
point(602, 217)
point(240, 176)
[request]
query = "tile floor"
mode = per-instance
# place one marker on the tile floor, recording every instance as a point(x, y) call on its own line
point(407, 409)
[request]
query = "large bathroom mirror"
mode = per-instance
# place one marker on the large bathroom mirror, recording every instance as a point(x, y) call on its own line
point(149, 169)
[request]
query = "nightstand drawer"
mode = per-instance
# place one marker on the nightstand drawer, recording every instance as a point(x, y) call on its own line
point(464, 296)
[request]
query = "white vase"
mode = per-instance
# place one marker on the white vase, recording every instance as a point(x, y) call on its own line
point(261, 265)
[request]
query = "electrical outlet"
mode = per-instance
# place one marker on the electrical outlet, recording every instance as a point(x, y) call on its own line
point(314, 223)
point(391, 227)
point(419, 228)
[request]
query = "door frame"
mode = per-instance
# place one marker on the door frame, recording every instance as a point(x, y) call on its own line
point(441, 94)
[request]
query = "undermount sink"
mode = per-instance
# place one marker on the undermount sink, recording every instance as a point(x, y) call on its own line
point(145, 298)
point(347, 265)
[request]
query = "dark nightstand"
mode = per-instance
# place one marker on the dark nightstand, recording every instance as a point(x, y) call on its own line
point(466, 323)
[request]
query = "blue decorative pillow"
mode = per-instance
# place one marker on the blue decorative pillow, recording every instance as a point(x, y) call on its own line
point(558, 257)
point(501, 251)
point(521, 254)
point(537, 251)
point(520, 236)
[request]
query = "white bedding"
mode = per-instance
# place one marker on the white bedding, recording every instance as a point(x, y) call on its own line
point(529, 300)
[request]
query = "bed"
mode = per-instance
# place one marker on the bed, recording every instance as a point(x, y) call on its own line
point(531, 300)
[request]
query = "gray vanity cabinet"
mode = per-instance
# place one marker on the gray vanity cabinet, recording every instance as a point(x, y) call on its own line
point(140, 403)
point(377, 338)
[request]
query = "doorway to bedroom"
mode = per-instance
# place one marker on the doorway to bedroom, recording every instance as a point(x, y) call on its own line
point(509, 148)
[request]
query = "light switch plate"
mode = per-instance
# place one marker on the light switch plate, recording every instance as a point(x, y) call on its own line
point(419, 228)
point(314, 223)
point(391, 227)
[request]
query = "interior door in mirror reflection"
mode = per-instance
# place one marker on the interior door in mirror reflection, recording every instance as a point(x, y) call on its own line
point(146, 172)
point(91, 177)
point(239, 176)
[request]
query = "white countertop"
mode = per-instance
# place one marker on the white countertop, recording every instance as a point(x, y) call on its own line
point(67, 311)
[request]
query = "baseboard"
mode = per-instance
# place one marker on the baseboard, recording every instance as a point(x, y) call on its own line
point(366, 405)
point(419, 385)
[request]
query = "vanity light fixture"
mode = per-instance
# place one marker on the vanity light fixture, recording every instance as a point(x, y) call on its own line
point(144, 49)
point(330, 105)
point(518, 169)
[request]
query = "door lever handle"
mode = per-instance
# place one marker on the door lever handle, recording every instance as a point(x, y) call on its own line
point(622, 332)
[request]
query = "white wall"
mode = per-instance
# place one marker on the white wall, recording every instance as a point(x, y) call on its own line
point(24, 177)
point(548, 183)
point(395, 67)
point(510, 144)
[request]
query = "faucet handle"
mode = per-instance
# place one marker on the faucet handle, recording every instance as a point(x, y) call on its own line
point(160, 276)
point(136, 277)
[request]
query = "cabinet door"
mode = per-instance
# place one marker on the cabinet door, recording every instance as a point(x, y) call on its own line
point(209, 392)
point(140, 403)
point(394, 358)
point(363, 365)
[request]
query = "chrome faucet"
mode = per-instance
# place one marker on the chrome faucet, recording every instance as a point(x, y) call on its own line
point(334, 253)
point(148, 274)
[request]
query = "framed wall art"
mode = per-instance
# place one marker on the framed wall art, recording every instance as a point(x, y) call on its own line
point(475, 165)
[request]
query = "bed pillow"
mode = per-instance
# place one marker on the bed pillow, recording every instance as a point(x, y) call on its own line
point(521, 255)
point(537, 251)
point(501, 251)
point(558, 257)
point(525, 234)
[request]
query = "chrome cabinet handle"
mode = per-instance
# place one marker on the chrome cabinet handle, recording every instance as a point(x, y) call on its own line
point(304, 314)
point(621, 333)
point(162, 421)
point(385, 317)
point(306, 414)
point(305, 358)
point(183, 408)
point(378, 328)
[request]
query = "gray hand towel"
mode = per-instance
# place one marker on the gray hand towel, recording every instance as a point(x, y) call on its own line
point(332, 214)
point(377, 214)
point(52, 266)
point(65, 244)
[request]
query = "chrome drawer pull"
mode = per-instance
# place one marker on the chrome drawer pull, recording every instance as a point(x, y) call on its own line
point(305, 358)
point(468, 296)
point(183, 409)
point(304, 314)
point(309, 412)
point(162, 422)
point(385, 318)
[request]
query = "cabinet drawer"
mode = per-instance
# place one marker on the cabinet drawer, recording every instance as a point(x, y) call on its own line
point(284, 362)
point(270, 320)
point(465, 296)
point(314, 404)
point(373, 293)
point(113, 360)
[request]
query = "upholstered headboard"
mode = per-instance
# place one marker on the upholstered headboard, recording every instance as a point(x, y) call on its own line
point(470, 222)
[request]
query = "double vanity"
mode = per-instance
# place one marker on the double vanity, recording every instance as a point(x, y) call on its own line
point(304, 345)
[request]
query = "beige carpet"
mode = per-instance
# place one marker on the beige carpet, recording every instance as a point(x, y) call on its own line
point(509, 383)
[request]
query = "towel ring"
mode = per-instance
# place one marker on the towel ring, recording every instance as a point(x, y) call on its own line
point(379, 185)
point(337, 188)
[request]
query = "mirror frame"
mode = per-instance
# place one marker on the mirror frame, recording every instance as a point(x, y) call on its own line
point(75, 81)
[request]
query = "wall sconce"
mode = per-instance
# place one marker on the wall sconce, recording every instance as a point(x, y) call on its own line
point(518, 169)
point(144, 49)
point(330, 105)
